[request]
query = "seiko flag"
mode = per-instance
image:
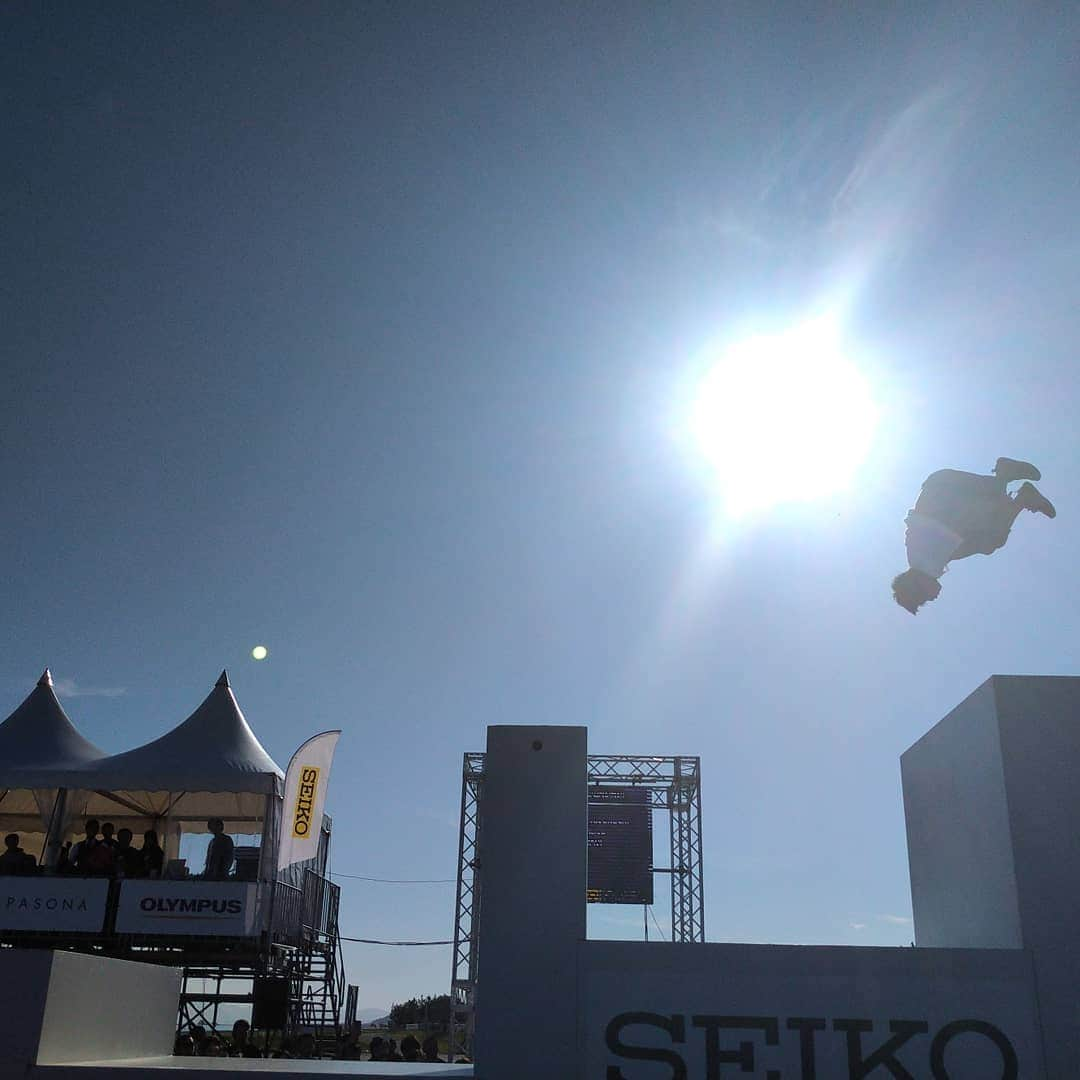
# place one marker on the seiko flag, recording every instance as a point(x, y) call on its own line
point(305, 797)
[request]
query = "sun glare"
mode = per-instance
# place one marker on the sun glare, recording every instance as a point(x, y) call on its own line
point(783, 418)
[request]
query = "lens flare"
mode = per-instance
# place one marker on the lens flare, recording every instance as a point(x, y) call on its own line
point(783, 418)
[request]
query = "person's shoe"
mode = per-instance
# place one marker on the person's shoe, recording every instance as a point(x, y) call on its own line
point(1031, 498)
point(1008, 469)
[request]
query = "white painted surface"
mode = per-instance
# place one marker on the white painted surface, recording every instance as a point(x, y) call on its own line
point(102, 1008)
point(960, 852)
point(784, 1011)
point(205, 908)
point(74, 905)
point(532, 849)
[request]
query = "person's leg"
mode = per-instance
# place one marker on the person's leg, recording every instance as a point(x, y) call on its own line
point(991, 521)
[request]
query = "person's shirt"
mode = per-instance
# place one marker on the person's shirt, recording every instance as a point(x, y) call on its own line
point(153, 858)
point(219, 857)
point(13, 861)
point(80, 853)
point(131, 861)
point(930, 544)
point(100, 861)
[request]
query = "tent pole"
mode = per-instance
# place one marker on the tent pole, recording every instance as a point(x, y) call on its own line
point(50, 848)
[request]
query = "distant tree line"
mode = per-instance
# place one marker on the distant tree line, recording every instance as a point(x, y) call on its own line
point(430, 1011)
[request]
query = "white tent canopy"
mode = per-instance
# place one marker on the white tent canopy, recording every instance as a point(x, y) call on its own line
point(211, 765)
point(38, 737)
point(38, 743)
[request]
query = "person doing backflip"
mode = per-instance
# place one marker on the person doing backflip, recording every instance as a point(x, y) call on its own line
point(960, 514)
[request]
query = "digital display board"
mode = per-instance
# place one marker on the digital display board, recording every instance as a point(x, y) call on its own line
point(620, 846)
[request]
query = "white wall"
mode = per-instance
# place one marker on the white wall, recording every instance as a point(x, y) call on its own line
point(960, 856)
point(805, 1012)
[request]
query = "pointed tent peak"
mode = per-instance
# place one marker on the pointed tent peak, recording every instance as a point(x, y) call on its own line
point(39, 735)
point(224, 680)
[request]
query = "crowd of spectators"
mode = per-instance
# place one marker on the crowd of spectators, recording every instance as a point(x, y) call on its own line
point(105, 851)
point(202, 1043)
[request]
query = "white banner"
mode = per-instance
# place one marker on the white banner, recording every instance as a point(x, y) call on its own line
point(203, 908)
point(801, 1012)
point(305, 797)
point(72, 905)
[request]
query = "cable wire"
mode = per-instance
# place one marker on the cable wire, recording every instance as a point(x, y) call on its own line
point(400, 881)
point(372, 941)
point(656, 924)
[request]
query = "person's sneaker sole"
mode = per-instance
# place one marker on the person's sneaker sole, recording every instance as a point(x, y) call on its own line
point(1009, 469)
point(1033, 499)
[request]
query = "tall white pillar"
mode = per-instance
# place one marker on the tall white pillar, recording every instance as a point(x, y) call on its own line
point(533, 849)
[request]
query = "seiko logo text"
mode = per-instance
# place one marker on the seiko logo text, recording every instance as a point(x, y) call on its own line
point(305, 801)
point(865, 1051)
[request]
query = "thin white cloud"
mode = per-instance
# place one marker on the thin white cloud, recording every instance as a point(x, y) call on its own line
point(71, 689)
point(857, 925)
point(896, 920)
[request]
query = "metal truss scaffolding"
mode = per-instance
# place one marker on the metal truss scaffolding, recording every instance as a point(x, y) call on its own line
point(466, 911)
point(674, 785)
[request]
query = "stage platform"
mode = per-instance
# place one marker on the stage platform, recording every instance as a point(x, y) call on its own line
point(194, 1068)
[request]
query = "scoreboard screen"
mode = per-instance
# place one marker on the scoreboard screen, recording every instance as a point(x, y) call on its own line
point(620, 846)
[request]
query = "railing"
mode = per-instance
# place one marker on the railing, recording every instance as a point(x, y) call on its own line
point(285, 920)
point(320, 904)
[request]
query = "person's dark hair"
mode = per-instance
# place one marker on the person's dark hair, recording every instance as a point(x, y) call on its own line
point(150, 839)
point(430, 1048)
point(410, 1048)
point(122, 833)
point(11, 840)
point(91, 821)
point(376, 1049)
point(913, 588)
point(108, 825)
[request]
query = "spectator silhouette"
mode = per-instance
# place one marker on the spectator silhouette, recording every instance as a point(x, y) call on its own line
point(430, 1047)
point(80, 853)
point(410, 1048)
point(306, 1048)
point(152, 856)
point(213, 1047)
point(63, 860)
point(184, 1046)
point(129, 860)
point(15, 860)
point(392, 1051)
point(377, 1049)
point(219, 855)
point(242, 1046)
point(107, 831)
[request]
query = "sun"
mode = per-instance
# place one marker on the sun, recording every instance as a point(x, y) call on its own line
point(783, 418)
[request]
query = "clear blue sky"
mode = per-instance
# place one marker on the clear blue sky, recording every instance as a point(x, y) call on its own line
point(362, 331)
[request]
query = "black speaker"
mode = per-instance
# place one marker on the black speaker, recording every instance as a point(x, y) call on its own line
point(270, 1011)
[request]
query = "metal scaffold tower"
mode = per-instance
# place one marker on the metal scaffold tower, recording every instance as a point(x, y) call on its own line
point(466, 910)
point(674, 786)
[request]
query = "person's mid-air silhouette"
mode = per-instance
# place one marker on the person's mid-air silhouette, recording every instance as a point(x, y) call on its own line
point(960, 514)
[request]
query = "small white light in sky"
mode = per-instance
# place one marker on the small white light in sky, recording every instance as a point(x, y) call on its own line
point(784, 418)
point(259, 652)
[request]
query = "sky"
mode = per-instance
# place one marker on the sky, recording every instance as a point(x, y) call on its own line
point(369, 332)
